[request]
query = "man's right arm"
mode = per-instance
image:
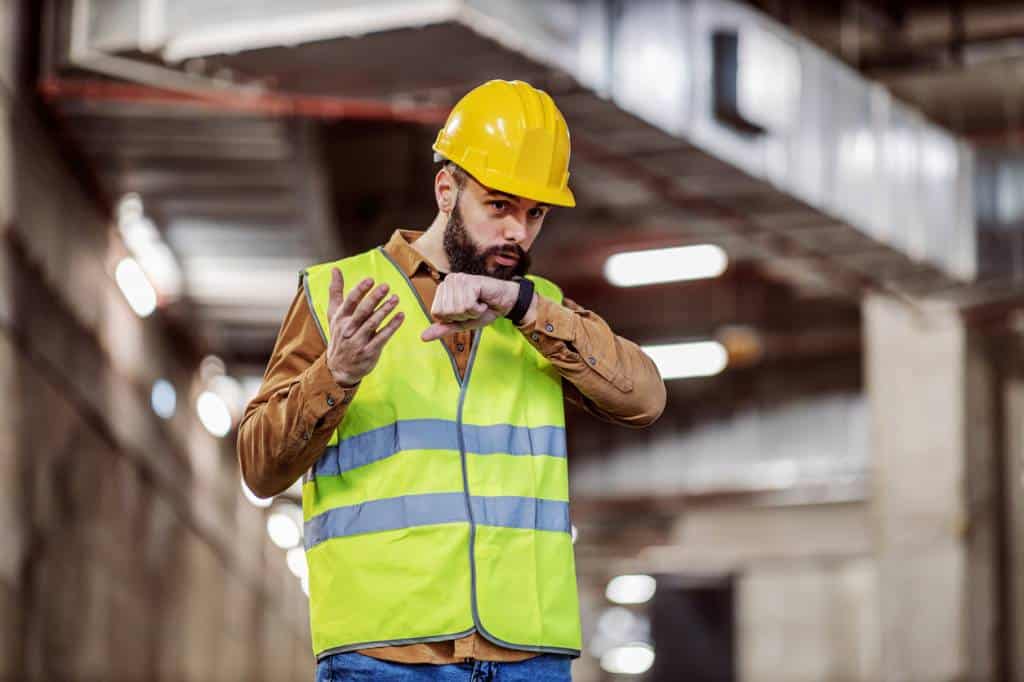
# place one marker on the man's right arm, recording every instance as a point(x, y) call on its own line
point(287, 425)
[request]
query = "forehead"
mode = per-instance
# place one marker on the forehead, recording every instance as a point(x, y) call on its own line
point(489, 193)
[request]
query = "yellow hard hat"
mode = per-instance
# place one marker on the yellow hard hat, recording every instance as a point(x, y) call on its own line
point(511, 137)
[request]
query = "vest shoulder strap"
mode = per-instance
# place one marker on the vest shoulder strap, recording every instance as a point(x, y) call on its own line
point(316, 281)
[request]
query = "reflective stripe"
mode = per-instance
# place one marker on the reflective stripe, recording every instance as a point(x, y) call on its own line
point(438, 434)
point(387, 514)
point(435, 508)
point(521, 512)
point(515, 440)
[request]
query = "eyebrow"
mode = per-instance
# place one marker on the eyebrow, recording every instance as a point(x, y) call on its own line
point(493, 193)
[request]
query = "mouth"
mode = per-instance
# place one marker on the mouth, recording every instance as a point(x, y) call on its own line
point(502, 259)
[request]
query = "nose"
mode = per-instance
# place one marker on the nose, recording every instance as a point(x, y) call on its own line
point(515, 230)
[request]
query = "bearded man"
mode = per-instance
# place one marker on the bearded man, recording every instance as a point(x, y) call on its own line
point(424, 410)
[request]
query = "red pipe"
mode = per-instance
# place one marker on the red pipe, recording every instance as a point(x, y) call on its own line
point(268, 104)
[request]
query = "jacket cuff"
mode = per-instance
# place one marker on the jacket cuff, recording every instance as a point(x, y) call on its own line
point(325, 401)
point(553, 325)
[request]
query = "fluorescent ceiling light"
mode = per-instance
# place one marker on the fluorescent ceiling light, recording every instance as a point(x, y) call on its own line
point(143, 240)
point(213, 413)
point(283, 530)
point(629, 659)
point(631, 589)
point(683, 360)
point(635, 268)
point(136, 288)
point(296, 558)
point(163, 398)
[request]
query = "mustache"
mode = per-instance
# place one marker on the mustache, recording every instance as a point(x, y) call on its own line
point(513, 251)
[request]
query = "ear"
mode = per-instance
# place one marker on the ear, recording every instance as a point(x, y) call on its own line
point(445, 190)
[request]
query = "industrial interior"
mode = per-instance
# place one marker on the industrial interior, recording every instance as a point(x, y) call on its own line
point(809, 215)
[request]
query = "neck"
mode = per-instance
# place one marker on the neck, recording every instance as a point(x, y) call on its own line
point(431, 244)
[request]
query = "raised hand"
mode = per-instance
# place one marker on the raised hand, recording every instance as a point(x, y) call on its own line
point(357, 338)
point(469, 302)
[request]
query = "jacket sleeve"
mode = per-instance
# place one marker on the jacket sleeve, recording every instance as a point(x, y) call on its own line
point(287, 425)
point(610, 376)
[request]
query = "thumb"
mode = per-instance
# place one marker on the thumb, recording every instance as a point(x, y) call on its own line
point(336, 292)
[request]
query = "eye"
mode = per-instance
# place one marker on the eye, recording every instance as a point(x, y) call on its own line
point(536, 213)
point(499, 204)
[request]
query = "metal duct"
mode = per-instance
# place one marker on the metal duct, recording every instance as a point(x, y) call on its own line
point(784, 111)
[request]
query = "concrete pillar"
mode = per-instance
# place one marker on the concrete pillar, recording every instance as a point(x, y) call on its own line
point(933, 504)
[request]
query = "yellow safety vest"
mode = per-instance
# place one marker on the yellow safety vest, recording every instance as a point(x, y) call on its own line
point(441, 506)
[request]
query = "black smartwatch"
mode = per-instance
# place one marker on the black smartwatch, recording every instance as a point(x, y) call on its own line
point(522, 302)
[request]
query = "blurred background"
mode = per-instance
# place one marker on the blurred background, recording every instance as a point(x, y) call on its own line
point(810, 214)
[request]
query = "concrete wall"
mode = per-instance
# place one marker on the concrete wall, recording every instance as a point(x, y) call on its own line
point(128, 551)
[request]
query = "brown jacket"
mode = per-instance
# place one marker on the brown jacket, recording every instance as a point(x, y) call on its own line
point(287, 425)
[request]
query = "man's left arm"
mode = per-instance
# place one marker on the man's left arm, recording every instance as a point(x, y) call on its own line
point(615, 379)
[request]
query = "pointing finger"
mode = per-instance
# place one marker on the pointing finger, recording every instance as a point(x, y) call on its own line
point(438, 330)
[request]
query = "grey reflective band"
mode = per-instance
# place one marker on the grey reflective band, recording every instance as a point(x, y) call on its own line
point(438, 434)
point(521, 512)
point(395, 513)
point(514, 440)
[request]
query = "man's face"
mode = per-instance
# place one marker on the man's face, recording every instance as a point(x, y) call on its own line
point(490, 232)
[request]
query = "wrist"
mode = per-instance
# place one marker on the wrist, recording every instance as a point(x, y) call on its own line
point(531, 313)
point(343, 378)
point(524, 301)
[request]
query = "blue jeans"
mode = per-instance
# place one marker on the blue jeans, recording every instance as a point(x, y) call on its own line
point(354, 667)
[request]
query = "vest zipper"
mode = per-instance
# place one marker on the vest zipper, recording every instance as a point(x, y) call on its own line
point(463, 384)
point(465, 478)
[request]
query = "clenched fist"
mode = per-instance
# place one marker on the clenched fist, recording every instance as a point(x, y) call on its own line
point(356, 335)
point(470, 302)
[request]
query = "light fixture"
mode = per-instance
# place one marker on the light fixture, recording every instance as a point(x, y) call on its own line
point(628, 659)
point(296, 558)
point(213, 414)
point(254, 500)
point(682, 360)
point(230, 391)
point(163, 398)
point(135, 286)
point(146, 245)
point(631, 589)
point(283, 530)
point(653, 266)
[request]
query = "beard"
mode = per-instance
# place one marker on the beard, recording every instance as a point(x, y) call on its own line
point(465, 256)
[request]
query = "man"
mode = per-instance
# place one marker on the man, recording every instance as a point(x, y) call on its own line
point(432, 443)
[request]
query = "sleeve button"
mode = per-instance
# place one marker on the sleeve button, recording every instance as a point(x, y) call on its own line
point(330, 401)
point(307, 435)
point(549, 328)
point(592, 360)
point(535, 336)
